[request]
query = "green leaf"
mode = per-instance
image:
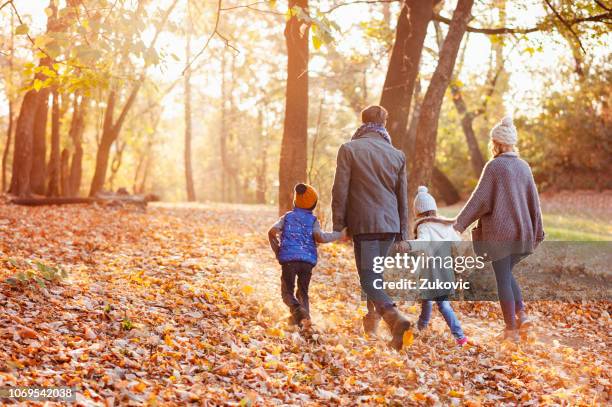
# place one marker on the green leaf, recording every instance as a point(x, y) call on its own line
point(22, 29)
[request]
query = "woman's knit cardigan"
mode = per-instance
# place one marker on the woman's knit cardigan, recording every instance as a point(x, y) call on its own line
point(507, 205)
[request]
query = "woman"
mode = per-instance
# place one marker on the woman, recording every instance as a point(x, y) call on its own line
point(507, 207)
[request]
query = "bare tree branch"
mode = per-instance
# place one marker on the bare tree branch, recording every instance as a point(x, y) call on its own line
point(566, 24)
point(603, 17)
point(214, 32)
point(603, 6)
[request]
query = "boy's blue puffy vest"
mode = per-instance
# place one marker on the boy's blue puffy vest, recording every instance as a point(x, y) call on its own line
point(297, 242)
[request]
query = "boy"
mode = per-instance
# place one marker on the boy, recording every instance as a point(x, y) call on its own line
point(293, 239)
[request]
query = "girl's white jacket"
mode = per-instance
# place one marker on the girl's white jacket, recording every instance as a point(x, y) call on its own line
point(434, 230)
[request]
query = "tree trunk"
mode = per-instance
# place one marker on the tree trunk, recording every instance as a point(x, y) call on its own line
point(404, 66)
point(262, 167)
point(7, 147)
point(29, 153)
point(112, 129)
point(293, 154)
point(110, 132)
point(188, 170)
point(425, 146)
point(53, 189)
point(116, 163)
point(9, 97)
point(65, 173)
point(223, 133)
point(24, 138)
point(77, 126)
point(410, 139)
point(467, 120)
point(38, 174)
point(443, 188)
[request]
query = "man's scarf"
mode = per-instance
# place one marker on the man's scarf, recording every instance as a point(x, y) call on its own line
point(372, 127)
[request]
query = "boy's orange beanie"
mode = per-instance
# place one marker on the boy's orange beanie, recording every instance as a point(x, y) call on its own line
point(305, 196)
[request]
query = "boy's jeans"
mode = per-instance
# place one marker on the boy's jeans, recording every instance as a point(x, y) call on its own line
point(447, 312)
point(366, 248)
point(303, 272)
point(508, 291)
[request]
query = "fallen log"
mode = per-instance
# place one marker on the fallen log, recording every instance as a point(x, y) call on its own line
point(51, 201)
point(106, 199)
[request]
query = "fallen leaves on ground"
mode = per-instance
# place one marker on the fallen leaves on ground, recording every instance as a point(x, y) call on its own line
point(181, 304)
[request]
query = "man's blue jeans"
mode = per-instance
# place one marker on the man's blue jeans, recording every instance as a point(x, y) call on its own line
point(366, 249)
point(447, 312)
point(508, 290)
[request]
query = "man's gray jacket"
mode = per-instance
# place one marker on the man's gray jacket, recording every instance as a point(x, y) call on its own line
point(370, 187)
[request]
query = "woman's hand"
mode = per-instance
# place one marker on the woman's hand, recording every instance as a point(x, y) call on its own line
point(402, 246)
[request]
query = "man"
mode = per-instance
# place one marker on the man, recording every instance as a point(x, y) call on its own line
point(369, 197)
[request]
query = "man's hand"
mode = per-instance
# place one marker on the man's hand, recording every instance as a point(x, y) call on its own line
point(402, 246)
point(344, 237)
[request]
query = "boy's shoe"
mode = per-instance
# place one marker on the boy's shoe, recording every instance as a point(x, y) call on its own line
point(370, 324)
point(462, 341)
point(298, 314)
point(398, 324)
point(523, 321)
point(291, 320)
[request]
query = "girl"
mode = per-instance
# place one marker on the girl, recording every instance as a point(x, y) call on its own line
point(429, 229)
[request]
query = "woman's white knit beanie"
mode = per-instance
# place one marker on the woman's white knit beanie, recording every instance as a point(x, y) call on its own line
point(505, 132)
point(424, 202)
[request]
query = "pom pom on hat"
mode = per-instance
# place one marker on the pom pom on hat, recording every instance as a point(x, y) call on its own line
point(505, 132)
point(305, 196)
point(424, 202)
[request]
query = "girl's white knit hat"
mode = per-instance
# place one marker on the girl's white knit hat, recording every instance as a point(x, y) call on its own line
point(505, 132)
point(423, 201)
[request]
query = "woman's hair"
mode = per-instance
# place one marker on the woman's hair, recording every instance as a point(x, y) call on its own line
point(426, 214)
point(374, 114)
point(498, 148)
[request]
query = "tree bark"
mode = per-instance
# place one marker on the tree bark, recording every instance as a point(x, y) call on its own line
point(66, 190)
point(7, 147)
point(404, 66)
point(24, 138)
point(77, 126)
point(262, 167)
point(467, 120)
point(11, 103)
point(112, 128)
point(29, 154)
point(53, 189)
point(443, 188)
point(38, 174)
point(425, 145)
point(293, 155)
point(188, 169)
point(110, 132)
point(223, 133)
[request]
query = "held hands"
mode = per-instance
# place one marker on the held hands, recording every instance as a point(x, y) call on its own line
point(344, 235)
point(402, 246)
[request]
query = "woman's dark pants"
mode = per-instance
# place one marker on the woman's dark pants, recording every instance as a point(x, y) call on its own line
point(508, 290)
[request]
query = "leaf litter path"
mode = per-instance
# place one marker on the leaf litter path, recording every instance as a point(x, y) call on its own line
point(181, 305)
